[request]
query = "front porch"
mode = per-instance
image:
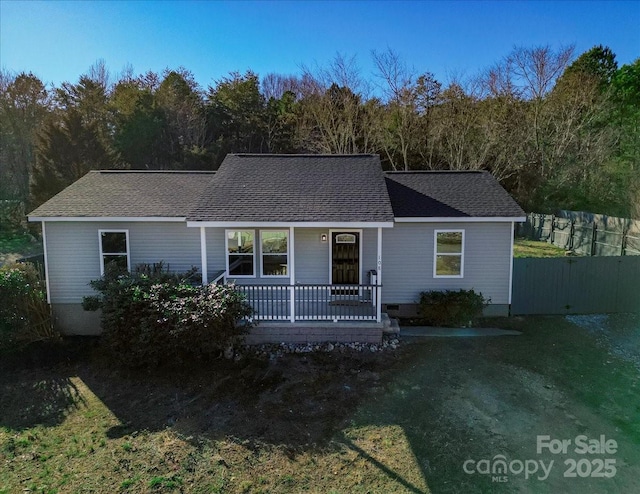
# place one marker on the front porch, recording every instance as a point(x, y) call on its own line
point(299, 274)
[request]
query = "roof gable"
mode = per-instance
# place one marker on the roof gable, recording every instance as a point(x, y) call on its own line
point(296, 188)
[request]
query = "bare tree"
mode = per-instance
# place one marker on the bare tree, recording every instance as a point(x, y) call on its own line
point(401, 131)
point(535, 71)
point(275, 85)
point(99, 74)
point(333, 113)
point(538, 68)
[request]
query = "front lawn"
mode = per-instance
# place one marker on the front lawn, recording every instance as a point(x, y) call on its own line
point(403, 421)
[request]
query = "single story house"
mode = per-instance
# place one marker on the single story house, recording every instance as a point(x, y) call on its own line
point(314, 241)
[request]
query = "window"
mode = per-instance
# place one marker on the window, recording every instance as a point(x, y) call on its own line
point(114, 249)
point(275, 253)
point(240, 253)
point(448, 254)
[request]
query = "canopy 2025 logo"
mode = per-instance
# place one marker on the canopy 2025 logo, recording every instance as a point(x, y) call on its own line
point(587, 462)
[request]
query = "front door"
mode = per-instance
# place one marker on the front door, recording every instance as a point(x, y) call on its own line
point(345, 258)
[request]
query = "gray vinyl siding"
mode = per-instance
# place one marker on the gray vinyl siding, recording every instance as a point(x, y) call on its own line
point(216, 260)
point(312, 256)
point(73, 254)
point(407, 253)
point(369, 252)
point(74, 259)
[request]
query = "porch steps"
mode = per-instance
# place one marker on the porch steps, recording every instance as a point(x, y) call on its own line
point(390, 326)
point(319, 332)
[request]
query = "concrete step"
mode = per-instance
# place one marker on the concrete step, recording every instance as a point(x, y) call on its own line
point(393, 328)
point(310, 333)
point(385, 320)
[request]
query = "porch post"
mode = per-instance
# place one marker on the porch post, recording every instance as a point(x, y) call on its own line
point(203, 256)
point(379, 269)
point(292, 276)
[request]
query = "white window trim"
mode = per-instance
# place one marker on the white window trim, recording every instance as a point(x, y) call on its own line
point(262, 254)
point(436, 254)
point(117, 230)
point(226, 252)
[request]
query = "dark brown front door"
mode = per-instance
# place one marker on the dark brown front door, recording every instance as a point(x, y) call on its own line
point(345, 258)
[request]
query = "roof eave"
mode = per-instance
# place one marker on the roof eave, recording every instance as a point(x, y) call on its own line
point(460, 219)
point(287, 224)
point(138, 219)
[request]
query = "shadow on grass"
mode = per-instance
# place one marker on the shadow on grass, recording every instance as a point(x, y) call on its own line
point(389, 472)
point(37, 400)
point(35, 382)
point(296, 402)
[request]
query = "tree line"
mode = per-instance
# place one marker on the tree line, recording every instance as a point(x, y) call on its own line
point(558, 131)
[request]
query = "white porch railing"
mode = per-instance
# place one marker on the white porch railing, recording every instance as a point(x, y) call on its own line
point(313, 302)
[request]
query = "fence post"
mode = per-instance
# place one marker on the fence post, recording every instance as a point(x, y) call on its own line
point(532, 226)
point(551, 236)
point(623, 240)
point(572, 232)
point(594, 233)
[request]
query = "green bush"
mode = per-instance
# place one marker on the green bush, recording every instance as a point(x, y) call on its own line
point(451, 308)
point(25, 315)
point(152, 317)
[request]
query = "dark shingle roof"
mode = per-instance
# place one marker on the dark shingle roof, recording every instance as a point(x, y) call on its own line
point(128, 194)
point(449, 194)
point(296, 188)
point(284, 188)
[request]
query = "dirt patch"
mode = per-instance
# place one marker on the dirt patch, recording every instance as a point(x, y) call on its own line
point(478, 398)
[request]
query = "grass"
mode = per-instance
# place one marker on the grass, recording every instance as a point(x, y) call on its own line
point(14, 245)
point(535, 248)
point(401, 421)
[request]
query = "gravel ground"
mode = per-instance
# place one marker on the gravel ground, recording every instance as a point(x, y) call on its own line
point(619, 332)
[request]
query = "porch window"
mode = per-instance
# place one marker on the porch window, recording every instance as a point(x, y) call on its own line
point(275, 253)
point(448, 254)
point(114, 249)
point(240, 253)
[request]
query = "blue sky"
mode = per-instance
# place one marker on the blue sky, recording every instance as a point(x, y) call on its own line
point(59, 40)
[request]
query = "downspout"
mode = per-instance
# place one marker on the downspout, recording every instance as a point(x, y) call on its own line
point(46, 263)
point(203, 256)
point(511, 264)
point(379, 287)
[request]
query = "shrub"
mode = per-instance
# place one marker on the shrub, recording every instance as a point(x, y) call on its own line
point(25, 315)
point(151, 316)
point(451, 308)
